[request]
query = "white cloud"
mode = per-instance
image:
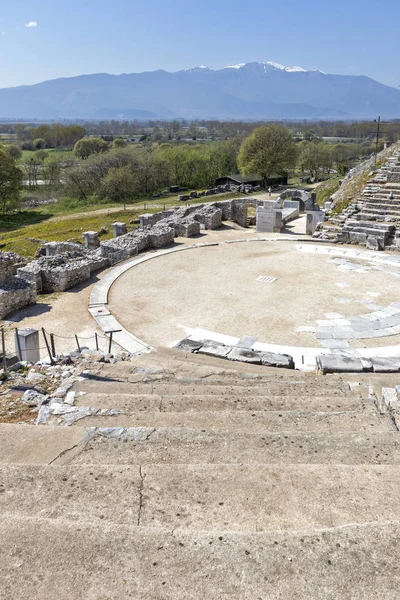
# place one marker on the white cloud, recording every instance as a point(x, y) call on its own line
point(31, 24)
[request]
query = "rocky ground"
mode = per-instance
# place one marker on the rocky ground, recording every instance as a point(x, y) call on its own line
point(24, 388)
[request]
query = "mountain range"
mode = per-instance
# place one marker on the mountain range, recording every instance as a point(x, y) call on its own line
point(257, 90)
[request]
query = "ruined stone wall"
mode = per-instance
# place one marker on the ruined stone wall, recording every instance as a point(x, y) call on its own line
point(17, 294)
point(32, 273)
point(186, 228)
point(64, 275)
point(7, 262)
point(55, 248)
point(161, 235)
point(149, 220)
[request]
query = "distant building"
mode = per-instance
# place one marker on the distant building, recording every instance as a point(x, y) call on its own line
point(252, 179)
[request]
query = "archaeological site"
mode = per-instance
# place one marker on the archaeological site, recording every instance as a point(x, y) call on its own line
point(208, 405)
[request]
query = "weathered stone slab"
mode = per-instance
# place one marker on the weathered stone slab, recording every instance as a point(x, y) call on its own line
point(339, 363)
point(215, 349)
point(386, 364)
point(243, 355)
point(247, 341)
point(188, 345)
point(270, 359)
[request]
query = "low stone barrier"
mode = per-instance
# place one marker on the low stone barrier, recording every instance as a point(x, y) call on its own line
point(211, 348)
point(342, 363)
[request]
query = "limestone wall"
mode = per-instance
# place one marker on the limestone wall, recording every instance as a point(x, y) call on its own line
point(161, 235)
point(7, 262)
point(17, 294)
point(64, 274)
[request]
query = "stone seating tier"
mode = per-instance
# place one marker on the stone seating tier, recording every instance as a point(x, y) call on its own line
point(203, 482)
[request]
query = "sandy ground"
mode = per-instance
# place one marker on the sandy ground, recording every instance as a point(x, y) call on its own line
point(64, 314)
point(215, 288)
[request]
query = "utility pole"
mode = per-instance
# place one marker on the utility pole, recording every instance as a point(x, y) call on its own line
point(378, 122)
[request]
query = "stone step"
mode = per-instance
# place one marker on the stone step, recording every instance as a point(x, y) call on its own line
point(359, 224)
point(383, 202)
point(43, 559)
point(378, 217)
point(367, 231)
point(152, 402)
point(34, 445)
point(381, 210)
point(316, 387)
point(166, 445)
point(224, 373)
point(251, 422)
point(246, 498)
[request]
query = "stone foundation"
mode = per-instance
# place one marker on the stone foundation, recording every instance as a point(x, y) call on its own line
point(17, 294)
point(187, 229)
point(64, 274)
point(161, 235)
point(7, 262)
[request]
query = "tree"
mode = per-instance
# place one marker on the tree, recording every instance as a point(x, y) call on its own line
point(41, 155)
point(268, 150)
point(87, 146)
point(118, 185)
point(314, 158)
point(14, 151)
point(39, 143)
point(10, 182)
point(119, 143)
point(52, 173)
point(33, 166)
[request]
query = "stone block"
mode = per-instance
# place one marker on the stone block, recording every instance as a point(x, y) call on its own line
point(268, 219)
point(215, 349)
point(147, 220)
point(271, 359)
point(27, 345)
point(91, 240)
point(186, 229)
point(188, 345)
point(243, 355)
point(119, 229)
point(375, 243)
point(340, 363)
point(209, 216)
point(386, 364)
point(313, 218)
point(160, 236)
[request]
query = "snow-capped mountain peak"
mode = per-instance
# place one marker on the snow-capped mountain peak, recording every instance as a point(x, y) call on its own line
point(239, 66)
point(270, 64)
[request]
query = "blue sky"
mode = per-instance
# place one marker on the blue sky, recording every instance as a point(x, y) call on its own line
point(71, 37)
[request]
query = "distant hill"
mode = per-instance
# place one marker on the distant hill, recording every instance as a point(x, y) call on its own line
point(245, 91)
